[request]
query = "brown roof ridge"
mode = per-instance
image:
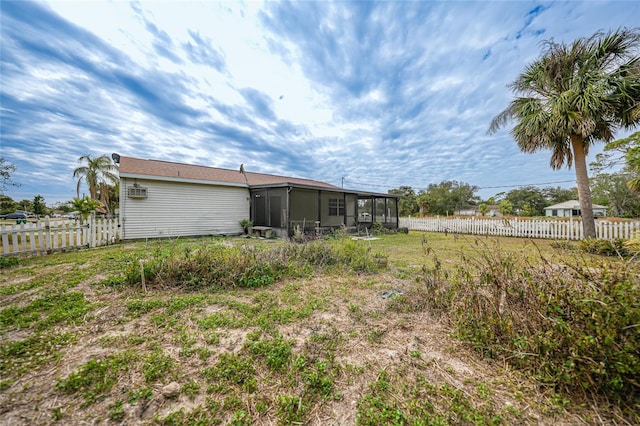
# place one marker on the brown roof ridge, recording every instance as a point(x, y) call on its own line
point(164, 168)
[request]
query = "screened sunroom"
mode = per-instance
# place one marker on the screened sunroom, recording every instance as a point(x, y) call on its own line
point(290, 208)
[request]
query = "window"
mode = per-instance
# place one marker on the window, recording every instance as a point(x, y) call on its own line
point(136, 192)
point(336, 207)
point(554, 212)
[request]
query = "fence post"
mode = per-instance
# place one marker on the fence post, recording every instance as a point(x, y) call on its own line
point(47, 234)
point(92, 231)
point(5, 239)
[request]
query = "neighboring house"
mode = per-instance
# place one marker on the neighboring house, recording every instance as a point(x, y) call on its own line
point(473, 211)
point(571, 208)
point(166, 199)
point(467, 211)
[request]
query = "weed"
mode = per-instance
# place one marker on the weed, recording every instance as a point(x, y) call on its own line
point(319, 380)
point(7, 261)
point(19, 357)
point(97, 377)
point(42, 313)
point(290, 409)
point(213, 338)
point(376, 335)
point(116, 411)
point(231, 402)
point(57, 414)
point(143, 394)
point(232, 369)
point(240, 418)
point(191, 389)
point(276, 351)
point(156, 366)
point(416, 401)
point(573, 327)
point(200, 416)
point(216, 266)
point(137, 308)
point(614, 247)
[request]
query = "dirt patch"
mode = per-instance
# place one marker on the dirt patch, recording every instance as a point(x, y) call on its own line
point(352, 318)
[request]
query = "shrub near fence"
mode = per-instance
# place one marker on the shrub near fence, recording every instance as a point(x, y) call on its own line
point(553, 229)
point(48, 235)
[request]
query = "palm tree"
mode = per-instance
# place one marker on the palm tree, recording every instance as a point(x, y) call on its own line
point(573, 96)
point(97, 173)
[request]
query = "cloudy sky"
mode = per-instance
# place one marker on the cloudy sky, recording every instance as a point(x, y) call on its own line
point(375, 95)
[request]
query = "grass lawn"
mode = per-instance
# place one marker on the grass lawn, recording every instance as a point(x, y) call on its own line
point(79, 345)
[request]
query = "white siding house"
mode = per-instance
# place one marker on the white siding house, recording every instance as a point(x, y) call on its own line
point(571, 208)
point(170, 209)
point(161, 199)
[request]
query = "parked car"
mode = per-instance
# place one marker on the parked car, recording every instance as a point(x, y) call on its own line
point(16, 215)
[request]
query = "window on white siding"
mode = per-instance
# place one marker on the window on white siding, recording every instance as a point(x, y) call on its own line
point(136, 192)
point(336, 207)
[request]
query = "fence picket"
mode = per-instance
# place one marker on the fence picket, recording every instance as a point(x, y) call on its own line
point(554, 229)
point(46, 236)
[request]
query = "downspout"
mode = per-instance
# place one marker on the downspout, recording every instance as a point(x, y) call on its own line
point(123, 206)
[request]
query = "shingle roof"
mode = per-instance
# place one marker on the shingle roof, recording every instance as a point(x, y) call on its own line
point(130, 166)
point(572, 204)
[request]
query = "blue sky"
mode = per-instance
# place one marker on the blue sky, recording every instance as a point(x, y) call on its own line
point(377, 95)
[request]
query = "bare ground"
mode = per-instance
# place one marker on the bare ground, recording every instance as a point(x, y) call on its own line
point(372, 340)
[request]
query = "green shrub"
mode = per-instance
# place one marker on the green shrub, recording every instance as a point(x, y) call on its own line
point(217, 266)
point(8, 261)
point(573, 327)
point(615, 247)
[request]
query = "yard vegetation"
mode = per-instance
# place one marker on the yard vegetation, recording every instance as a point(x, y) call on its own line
point(408, 329)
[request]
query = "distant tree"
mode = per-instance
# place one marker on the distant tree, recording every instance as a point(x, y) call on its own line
point(558, 195)
point(625, 152)
point(408, 204)
point(6, 170)
point(573, 96)
point(39, 206)
point(7, 205)
point(614, 153)
point(65, 206)
point(96, 172)
point(611, 189)
point(495, 199)
point(112, 200)
point(483, 208)
point(446, 197)
point(25, 205)
point(528, 199)
point(505, 207)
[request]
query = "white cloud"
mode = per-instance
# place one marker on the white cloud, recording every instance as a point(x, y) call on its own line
point(396, 93)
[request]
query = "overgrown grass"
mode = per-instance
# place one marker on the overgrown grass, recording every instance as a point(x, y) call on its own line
point(217, 266)
point(252, 337)
point(574, 325)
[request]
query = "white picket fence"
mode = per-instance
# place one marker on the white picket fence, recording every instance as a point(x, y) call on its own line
point(554, 229)
point(50, 235)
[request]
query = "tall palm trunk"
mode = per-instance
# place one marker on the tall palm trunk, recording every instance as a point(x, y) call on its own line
point(584, 191)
